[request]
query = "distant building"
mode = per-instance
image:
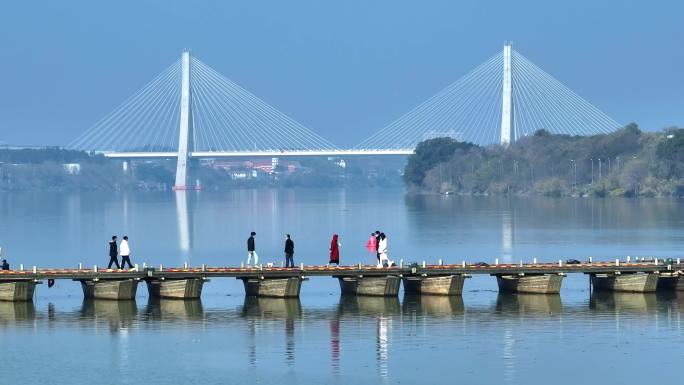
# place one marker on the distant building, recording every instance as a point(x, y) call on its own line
point(244, 169)
point(72, 168)
point(228, 165)
point(338, 161)
point(239, 175)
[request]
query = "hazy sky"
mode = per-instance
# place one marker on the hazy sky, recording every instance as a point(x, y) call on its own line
point(342, 68)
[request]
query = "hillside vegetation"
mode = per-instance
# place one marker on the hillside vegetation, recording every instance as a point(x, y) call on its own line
point(628, 162)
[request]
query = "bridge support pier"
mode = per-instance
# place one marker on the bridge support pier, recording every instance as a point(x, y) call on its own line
point(439, 285)
point(184, 288)
point(534, 284)
point(383, 286)
point(632, 282)
point(124, 289)
point(18, 290)
point(670, 281)
point(273, 287)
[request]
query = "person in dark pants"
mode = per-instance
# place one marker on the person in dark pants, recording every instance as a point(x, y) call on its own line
point(377, 245)
point(125, 253)
point(5, 265)
point(289, 251)
point(251, 250)
point(113, 253)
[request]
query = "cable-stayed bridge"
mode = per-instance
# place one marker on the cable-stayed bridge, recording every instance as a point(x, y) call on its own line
point(192, 111)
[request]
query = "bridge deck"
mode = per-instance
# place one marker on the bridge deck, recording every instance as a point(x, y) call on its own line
point(268, 154)
point(342, 271)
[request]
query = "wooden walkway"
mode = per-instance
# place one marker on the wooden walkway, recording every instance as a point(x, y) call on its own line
point(343, 271)
point(441, 279)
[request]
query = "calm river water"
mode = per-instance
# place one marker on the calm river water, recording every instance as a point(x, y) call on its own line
point(481, 338)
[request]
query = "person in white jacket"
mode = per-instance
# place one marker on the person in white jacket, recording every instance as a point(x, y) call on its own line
point(382, 249)
point(125, 251)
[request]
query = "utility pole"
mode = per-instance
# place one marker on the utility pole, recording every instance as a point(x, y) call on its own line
point(573, 169)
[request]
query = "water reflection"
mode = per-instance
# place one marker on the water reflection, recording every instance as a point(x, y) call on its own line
point(383, 310)
point(506, 236)
point(174, 309)
point(433, 305)
point(16, 312)
point(272, 308)
point(259, 309)
point(119, 315)
point(183, 219)
point(383, 343)
point(335, 345)
point(381, 338)
point(625, 302)
point(534, 304)
point(367, 305)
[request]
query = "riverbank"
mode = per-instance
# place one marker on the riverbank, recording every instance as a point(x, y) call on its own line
point(57, 169)
point(626, 163)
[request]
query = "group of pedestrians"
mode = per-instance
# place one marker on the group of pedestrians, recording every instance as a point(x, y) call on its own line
point(252, 254)
point(124, 249)
point(377, 243)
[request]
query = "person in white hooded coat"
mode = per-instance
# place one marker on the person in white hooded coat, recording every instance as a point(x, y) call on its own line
point(125, 251)
point(382, 250)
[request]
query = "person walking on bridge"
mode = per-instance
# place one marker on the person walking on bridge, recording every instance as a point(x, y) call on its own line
point(334, 250)
point(5, 265)
point(113, 253)
point(289, 251)
point(382, 250)
point(377, 245)
point(125, 251)
point(251, 250)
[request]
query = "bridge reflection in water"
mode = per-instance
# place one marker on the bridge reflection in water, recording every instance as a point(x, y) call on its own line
point(392, 321)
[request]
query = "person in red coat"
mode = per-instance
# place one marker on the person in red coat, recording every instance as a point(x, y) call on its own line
point(334, 251)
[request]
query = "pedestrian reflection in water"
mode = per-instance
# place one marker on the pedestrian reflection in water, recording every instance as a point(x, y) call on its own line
point(335, 345)
point(384, 324)
point(290, 341)
point(256, 310)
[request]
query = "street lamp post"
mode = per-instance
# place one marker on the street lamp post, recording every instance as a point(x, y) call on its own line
point(573, 168)
point(592, 170)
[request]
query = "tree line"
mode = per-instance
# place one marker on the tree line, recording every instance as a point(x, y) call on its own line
point(627, 162)
point(43, 169)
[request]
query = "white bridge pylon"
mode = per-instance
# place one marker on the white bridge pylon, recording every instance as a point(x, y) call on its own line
point(192, 111)
point(500, 101)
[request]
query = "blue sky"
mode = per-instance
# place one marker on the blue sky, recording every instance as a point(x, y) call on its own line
point(344, 69)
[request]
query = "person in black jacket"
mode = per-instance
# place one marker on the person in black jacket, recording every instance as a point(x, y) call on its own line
point(5, 265)
point(251, 250)
point(113, 253)
point(377, 245)
point(289, 251)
